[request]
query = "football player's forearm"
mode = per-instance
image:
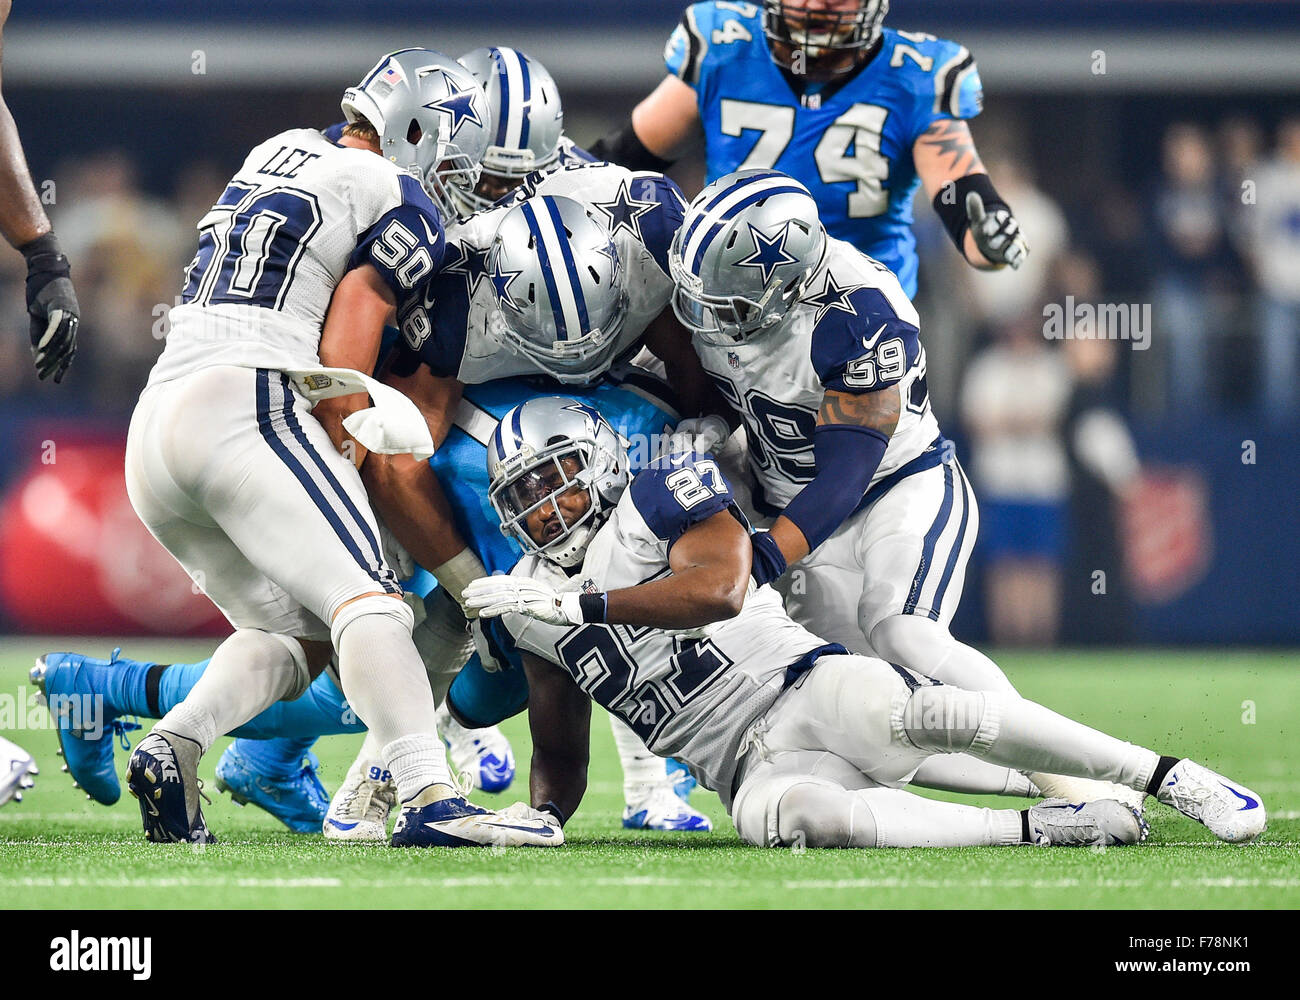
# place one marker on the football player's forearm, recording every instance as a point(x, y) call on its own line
point(690, 599)
point(408, 496)
point(21, 217)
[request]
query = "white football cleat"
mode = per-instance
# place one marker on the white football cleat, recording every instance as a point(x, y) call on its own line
point(1060, 786)
point(484, 755)
point(359, 810)
point(17, 767)
point(1230, 811)
point(439, 817)
point(657, 807)
point(1103, 823)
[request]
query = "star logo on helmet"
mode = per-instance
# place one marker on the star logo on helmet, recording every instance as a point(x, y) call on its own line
point(470, 262)
point(624, 212)
point(459, 102)
point(587, 410)
point(769, 252)
point(832, 296)
point(501, 284)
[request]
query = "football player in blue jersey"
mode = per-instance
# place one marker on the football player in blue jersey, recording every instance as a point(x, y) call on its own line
point(859, 113)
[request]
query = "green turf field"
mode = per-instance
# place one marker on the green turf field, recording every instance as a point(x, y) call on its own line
point(58, 850)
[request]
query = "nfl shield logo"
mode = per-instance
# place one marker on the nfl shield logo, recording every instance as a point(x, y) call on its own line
point(733, 359)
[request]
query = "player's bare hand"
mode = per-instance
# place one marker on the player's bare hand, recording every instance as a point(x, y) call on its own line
point(997, 234)
point(52, 306)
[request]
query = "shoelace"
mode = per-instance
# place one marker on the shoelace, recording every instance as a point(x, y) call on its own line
point(121, 727)
point(464, 783)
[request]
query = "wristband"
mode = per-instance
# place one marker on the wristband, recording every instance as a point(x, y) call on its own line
point(769, 563)
point(594, 607)
point(950, 204)
point(457, 573)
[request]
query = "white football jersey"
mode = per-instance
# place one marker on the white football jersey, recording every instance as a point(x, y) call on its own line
point(456, 331)
point(853, 330)
point(300, 213)
point(690, 696)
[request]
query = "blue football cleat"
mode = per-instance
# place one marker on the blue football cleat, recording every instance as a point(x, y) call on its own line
point(657, 807)
point(683, 781)
point(74, 689)
point(298, 801)
point(163, 774)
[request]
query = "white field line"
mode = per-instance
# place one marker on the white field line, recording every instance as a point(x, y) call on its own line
point(625, 882)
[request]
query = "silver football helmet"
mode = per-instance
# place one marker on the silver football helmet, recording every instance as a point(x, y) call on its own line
point(747, 248)
point(817, 32)
point(432, 118)
point(541, 450)
point(560, 287)
point(526, 121)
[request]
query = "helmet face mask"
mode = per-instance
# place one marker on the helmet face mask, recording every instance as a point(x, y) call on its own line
point(431, 118)
point(546, 456)
point(829, 41)
point(560, 288)
point(527, 121)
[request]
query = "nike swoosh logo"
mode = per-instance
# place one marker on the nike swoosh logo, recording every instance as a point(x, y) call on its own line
point(866, 341)
point(433, 240)
point(342, 826)
point(1250, 803)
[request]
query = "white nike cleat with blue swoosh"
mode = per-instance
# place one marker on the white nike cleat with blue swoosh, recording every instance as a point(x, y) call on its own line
point(1230, 811)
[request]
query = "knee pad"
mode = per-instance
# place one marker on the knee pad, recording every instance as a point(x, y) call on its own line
point(799, 811)
point(301, 669)
point(950, 720)
point(389, 607)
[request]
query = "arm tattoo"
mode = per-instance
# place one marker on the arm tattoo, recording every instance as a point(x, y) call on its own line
point(952, 143)
point(878, 410)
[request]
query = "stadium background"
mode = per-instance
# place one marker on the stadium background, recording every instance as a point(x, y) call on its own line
point(1133, 129)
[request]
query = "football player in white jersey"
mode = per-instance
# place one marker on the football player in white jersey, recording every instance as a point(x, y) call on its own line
point(565, 277)
point(300, 263)
point(661, 623)
point(526, 127)
point(817, 349)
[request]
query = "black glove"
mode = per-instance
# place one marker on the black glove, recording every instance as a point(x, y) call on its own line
point(52, 306)
point(997, 233)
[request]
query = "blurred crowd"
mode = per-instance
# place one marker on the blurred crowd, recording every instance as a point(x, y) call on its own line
point(1207, 240)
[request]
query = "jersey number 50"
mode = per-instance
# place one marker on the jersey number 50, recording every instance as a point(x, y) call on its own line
point(858, 130)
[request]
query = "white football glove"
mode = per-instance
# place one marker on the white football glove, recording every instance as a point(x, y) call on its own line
point(997, 235)
point(493, 596)
point(702, 434)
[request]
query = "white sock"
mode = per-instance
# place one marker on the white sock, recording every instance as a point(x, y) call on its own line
point(385, 682)
point(370, 755)
point(1030, 736)
point(959, 772)
point(416, 762)
point(640, 766)
point(902, 819)
point(250, 671)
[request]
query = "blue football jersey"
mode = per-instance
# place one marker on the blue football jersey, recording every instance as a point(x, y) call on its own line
point(850, 142)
